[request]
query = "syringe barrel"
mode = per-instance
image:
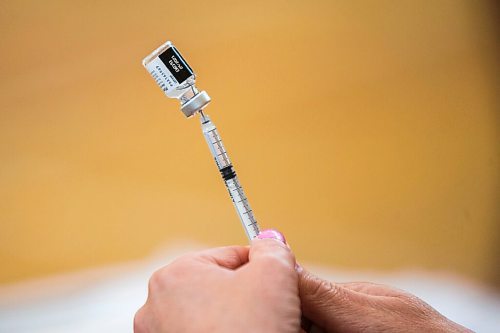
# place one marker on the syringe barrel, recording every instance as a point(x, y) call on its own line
point(215, 143)
point(226, 169)
point(242, 206)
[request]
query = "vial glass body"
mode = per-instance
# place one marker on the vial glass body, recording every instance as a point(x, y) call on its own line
point(171, 72)
point(176, 78)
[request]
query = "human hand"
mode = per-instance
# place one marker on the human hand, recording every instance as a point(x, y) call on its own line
point(227, 289)
point(367, 307)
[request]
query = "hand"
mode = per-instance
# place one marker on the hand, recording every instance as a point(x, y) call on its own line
point(367, 307)
point(227, 289)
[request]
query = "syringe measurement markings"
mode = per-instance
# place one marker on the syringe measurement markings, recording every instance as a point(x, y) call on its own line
point(231, 181)
point(246, 206)
point(221, 151)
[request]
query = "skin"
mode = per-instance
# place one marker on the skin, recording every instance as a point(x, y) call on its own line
point(367, 307)
point(260, 289)
point(228, 289)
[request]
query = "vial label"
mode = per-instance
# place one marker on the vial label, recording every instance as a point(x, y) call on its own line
point(175, 77)
point(176, 64)
point(162, 75)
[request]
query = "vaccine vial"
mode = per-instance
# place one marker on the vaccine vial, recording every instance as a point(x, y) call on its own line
point(176, 78)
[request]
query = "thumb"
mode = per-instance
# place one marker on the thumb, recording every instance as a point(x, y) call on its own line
point(270, 249)
point(329, 305)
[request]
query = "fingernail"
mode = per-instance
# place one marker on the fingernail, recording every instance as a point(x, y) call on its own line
point(271, 233)
point(298, 268)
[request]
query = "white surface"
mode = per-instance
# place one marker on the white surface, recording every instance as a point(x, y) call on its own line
point(106, 299)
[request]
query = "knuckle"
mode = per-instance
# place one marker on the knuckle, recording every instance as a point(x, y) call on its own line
point(159, 280)
point(334, 291)
point(168, 276)
point(140, 323)
point(415, 307)
point(155, 281)
point(325, 290)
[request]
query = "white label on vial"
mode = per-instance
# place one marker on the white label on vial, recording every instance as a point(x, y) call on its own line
point(162, 75)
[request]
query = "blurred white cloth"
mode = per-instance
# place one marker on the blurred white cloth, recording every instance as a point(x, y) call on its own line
point(106, 299)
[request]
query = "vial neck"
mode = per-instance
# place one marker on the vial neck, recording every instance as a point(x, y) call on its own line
point(189, 94)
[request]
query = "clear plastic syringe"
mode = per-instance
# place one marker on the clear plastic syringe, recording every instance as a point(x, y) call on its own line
point(226, 169)
point(177, 80)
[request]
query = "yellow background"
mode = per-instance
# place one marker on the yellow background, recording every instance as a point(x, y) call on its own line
point(367, 131)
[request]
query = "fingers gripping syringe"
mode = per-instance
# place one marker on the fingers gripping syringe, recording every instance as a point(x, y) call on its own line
point(177, 80)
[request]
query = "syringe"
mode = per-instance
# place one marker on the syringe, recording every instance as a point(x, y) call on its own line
point(226, 169)
point(174, 76)
point(177, 80)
